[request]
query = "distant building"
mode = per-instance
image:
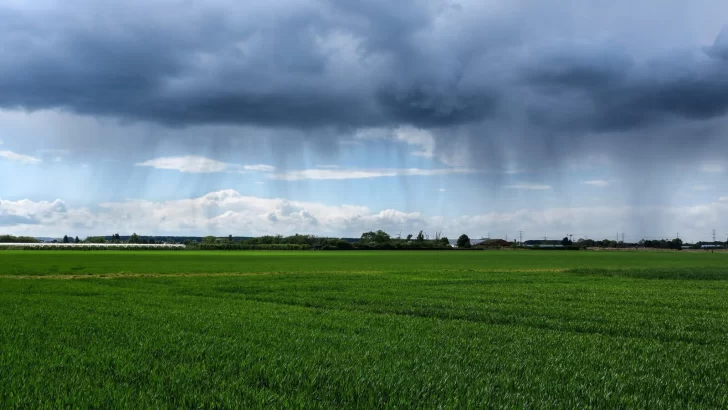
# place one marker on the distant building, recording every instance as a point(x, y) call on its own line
point(494, 243)
point(711, 246)
point(543, 244)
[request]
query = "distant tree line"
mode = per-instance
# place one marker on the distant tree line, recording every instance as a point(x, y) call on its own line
point(676, 243)
point(373, 240)
point(17, 239)
point(381, 240)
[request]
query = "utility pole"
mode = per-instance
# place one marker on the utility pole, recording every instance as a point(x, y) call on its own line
point(714, 236)
point(488, 235)
point(622, 237)
point(520, 237)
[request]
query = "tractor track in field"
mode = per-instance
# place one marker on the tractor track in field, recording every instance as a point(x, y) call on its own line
point(168, 275)
point(227, 274)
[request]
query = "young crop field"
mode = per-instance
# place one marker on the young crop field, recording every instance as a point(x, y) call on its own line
point(536, 329)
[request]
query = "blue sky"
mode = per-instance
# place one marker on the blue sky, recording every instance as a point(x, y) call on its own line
point(335, 118)
point(585, 197)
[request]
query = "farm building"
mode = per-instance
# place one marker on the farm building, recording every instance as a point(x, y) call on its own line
point(494, 243)
point(711, 246)
point(543, 244)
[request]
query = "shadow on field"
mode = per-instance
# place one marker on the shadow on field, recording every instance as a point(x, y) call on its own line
point(708, 273)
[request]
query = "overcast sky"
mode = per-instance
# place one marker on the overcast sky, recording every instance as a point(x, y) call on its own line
point(555, 117)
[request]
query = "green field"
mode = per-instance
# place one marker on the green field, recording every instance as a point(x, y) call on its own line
point(537, 329)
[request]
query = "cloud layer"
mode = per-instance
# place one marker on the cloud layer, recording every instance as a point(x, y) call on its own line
point(492, 84)
point(229, 212)
point(201, 165)
point(15, 157)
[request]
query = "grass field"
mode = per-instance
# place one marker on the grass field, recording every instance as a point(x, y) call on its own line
point(537, 329)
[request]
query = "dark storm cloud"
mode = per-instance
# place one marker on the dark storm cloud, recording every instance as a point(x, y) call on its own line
point(623, 95)
point(347, 63)
point(527, 79)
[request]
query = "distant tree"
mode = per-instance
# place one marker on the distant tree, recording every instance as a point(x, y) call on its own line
point(134, 238)
point(382, 237)
point(367, 237)
point(409, 237)
point(341, 244)
point(65, 239)
point(585, 243)
point(77, 240)
point(420, 237)
point(565, 241)
point(445, 241)
point(463, 241)
point(378, 237)
point(17, 239)
point(676, 243)
point(95, 239)
point(209, 240)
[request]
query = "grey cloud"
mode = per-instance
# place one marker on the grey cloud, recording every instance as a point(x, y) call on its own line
point(720, 48)
point(12, 220)
point(527, 82)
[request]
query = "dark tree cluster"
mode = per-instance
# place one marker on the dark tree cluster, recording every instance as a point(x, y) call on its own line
point(17, 239)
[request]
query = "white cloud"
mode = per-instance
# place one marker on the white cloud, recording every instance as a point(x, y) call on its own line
point(702, 188)
point(190, 163)
point(259, 168)
point(416, 137)
point(15, 157)
point(328, 166)
point(229, 212)
point(422, 140)
point(723, 199)
point(597, 182)
point(529, 187)
point(318, 174)
point(712, 168)
point(442, 190)
point(197, 164)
